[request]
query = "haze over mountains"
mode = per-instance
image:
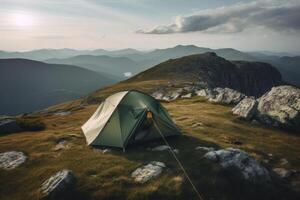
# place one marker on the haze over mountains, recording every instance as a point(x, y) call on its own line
point(117, 62)
point(28, 85)
point(71, 73)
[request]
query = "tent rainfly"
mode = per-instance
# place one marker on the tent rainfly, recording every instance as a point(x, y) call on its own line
point(128, 117)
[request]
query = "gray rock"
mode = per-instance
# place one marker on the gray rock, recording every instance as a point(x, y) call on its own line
point(246, 108)
point(284, 161)
point(57, 185)
point(147, 172)
point(61, 145)
point(283, 173)
point(9, 125)
point(62, 113)
point(167, 94)
point(176, 151)
point(280, 107)
point(187, 96)
point(227, 96)
point(104, 151)
point(247, 165)
point(11, 159)
point(205, 148)
point(158, 95)
point(198, 124)
point(161, 148)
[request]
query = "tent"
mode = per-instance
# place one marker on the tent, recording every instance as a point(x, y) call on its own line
point(128, 117)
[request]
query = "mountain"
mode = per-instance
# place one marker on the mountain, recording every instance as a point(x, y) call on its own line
point(145, 60)
point(210, 70)
point(160, 55)
point(28, 85)
point(114, 67)
point(289, 66)
point(44, 54)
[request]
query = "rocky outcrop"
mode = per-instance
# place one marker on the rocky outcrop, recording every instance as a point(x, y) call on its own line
point(169, 94)
point(11, 159)
point(58, 185)
point(235, 158)
point(280, 107)
point(147, 172)
point(216, 95)
point(247, 108)
point(226, 96)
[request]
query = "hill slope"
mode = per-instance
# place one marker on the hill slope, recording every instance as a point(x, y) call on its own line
point(28, 85)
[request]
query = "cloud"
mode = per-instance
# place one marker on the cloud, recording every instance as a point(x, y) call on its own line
point(276, 15)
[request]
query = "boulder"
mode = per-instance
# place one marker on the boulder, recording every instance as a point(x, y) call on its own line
point(280, 107)
point(226, 96)
point(147, 172)
point(246, 108)
point(62, 113)
point(104, 151)
point(208, 93)
point(247, 165)
point(167, 94)
point(161, 148)
point(11, 159)
point(9, 125)
point(172, 95)
point(205, 148)
point(158, 95)
point(187, 96)
point(284, 161)
point(176, 151)
point(283, 173)
point(61, 145)
point(58, 185)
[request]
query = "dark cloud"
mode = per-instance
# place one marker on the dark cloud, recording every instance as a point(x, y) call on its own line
point(281, 15)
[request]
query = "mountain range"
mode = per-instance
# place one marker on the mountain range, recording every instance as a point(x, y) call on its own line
point(28, 85)
point(117, 62)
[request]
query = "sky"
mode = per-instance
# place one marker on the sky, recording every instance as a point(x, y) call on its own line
point(258, 25)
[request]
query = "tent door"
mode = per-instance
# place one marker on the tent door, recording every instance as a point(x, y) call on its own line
point(144, 128)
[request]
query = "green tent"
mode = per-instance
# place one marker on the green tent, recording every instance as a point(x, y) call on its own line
point(128, 117)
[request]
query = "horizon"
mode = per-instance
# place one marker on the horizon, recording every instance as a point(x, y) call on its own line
point(261, 25)
point(150, 50)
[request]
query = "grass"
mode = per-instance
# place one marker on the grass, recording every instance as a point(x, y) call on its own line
point(107, 176)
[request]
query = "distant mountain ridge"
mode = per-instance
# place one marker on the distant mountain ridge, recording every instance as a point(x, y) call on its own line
point(28, 85)
point(287, 64)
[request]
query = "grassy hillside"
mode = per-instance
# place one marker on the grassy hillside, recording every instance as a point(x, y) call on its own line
point(107, 176)
point(28, 85)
